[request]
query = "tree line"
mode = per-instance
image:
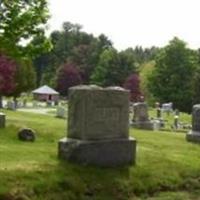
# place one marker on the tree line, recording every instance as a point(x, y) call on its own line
point(80, 58)
point(70, 56)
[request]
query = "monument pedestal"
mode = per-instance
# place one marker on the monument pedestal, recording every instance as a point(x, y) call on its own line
point(105, 153)
point(193, 136)
point(147, 125)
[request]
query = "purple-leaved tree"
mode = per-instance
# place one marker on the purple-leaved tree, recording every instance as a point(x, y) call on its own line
point(68, 76)
point(132, 84)
point(7, 76)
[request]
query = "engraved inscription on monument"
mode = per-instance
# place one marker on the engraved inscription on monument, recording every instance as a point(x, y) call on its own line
point(107, 119)
point(98, 114)
point(107, 114)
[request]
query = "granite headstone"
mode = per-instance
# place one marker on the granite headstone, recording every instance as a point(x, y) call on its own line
point(2, 120)
point(194, 134)
point(61, 112)
point(98, 131)
point(141, 117)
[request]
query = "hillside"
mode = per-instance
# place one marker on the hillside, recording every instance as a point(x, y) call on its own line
point(167, 166)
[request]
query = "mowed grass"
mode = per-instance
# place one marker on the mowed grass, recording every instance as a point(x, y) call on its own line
point(167, 166)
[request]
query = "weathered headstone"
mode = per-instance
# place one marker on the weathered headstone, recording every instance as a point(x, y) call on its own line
point(141, 117)
point(26, 134)
point(61, 112)
point(98, 127)
point(156, 124)
point(11, 105)
point(20, 104)
point(2, 120)
point(49, 103)
point(194, 134)
point(35, 104)
point(167, 107)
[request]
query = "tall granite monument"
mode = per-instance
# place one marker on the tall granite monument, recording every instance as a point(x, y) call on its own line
point(98, 130)
point(194, 134)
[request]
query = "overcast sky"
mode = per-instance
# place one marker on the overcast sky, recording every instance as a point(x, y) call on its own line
point(128, 23)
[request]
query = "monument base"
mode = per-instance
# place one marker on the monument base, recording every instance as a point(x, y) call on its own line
point(105, 153)
point(193, 136)
point(147, 125)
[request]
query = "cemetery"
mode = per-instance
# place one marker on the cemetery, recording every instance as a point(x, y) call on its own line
point(31, 168)
point(84, 118)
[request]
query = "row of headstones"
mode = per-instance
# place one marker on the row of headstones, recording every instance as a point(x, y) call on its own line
point(61, 111)
point(98, 126)
point(141, 117)
point(12, 105)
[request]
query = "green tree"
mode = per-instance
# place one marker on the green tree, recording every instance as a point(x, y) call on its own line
point(21, 21)
point(195, 83)
point(72, 45)
point(143, 55)
point(170, 81)
point(196, 87)
point(106, 72)
point(144, 71)
point(113, 68)
point(86, 56)
point(40, 64)
point(24, 77)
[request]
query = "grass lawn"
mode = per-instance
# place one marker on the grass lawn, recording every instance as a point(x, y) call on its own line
point(168, 167)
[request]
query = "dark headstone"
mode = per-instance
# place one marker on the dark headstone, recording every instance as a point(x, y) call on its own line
point(26, 134)
point(194, 134)
point(2, 120)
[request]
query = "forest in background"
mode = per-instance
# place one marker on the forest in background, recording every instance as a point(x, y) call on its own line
point(70, 56)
